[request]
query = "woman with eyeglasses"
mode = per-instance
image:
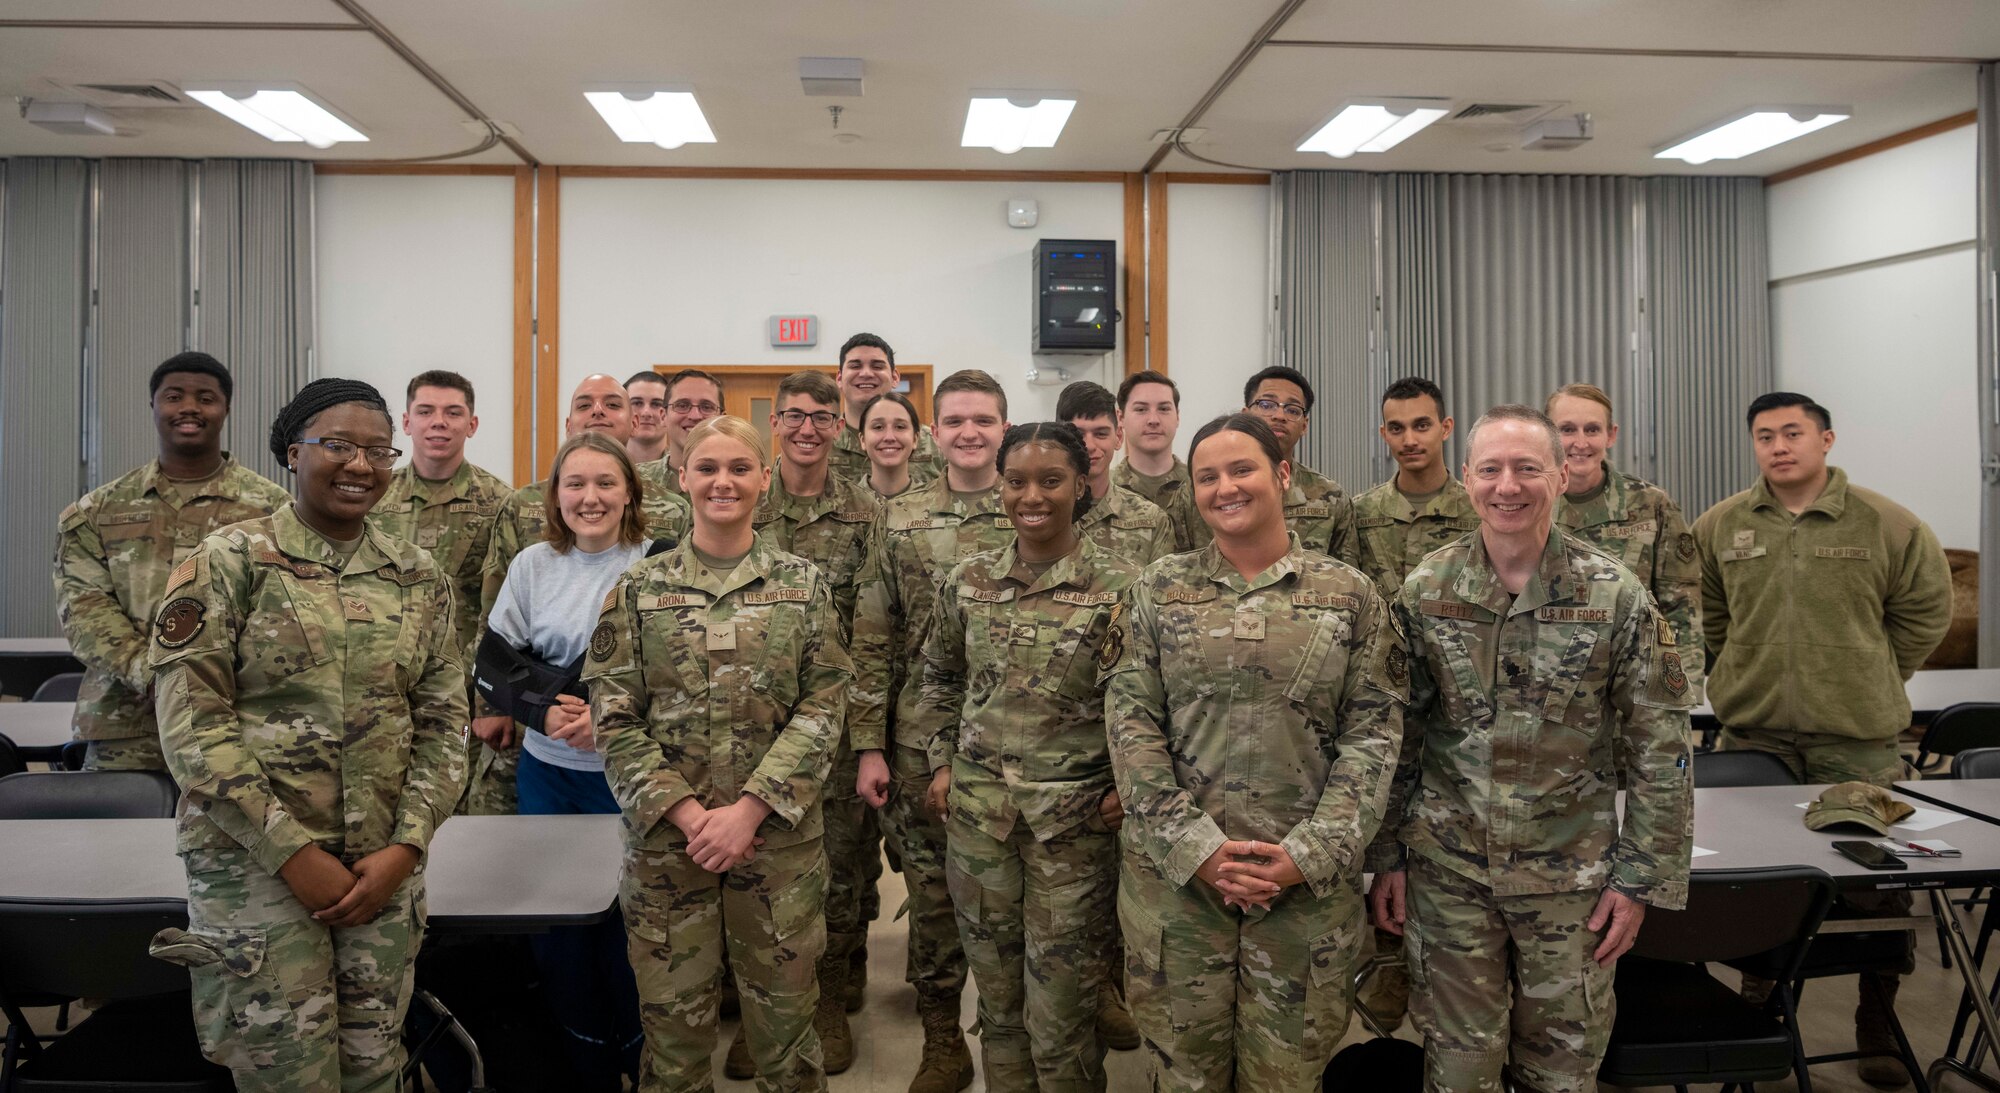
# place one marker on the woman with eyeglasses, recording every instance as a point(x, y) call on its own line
point(312, 705)
point(889, 434)
point(1254, 696)
point(718, 683)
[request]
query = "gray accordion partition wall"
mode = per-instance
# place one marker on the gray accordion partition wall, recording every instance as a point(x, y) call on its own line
point(108, 267)
point(1502, 287)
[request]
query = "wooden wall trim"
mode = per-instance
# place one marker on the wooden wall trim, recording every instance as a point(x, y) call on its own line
point(1862, 151)
point(499, 170)
point(548, 306)
point(1214, 178)
point(1156, 273)
point(844, 174)
point(1134, 259)
point(524, 324)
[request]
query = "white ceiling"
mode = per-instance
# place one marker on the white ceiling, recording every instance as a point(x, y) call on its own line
point(1137, 66)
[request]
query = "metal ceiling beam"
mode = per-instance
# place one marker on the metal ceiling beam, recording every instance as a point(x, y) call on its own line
point(409, 56)
point(1235, 69)
point(1618, 51)
point(166, 24)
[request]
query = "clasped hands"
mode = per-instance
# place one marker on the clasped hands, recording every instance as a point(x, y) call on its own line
point(344, 897)
point(720, 839)
point(1248, 873)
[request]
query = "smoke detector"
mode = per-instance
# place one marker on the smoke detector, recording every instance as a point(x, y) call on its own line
point(830, 76)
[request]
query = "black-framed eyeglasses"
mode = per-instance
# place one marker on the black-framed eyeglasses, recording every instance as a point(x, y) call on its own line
point(1272, 406)
point(380, 456)
point(821, 419)
point(688, 405)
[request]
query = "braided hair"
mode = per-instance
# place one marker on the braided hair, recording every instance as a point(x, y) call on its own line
point(322, 394)
point(1058, 434)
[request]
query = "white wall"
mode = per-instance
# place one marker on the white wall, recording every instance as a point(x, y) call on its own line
point(417, 272)
point(687, 271)
point(1219, 309)
point(1889, 349)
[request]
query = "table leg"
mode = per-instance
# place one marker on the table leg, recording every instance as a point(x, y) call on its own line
point(448, 1023)
point(1954, 933)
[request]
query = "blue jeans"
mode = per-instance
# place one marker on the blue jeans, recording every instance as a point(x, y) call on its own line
point(585, 972)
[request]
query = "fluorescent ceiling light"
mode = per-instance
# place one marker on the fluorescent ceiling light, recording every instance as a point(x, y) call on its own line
point(1373, 125)
point(1008, 121)
point(280, 114)
point(668, 118)
point(1753, 131)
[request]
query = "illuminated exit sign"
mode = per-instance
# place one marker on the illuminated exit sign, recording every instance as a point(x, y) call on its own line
point(794, 331)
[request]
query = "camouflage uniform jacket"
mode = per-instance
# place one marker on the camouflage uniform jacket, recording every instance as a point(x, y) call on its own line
point(832, 531)
point(1525, 712)
point(303, 701)
point(923, 534)
point(524, 515)
point(1010, 688)
point(453, 520)
point(850, 460)
point(713, 685)
point(114, 550)
point(1394, 536)
point(660, 474)
point(1815, 621)
point(1321, 514)
point(1128, 526)
point(1266, 708)
point(1174, 493)
point(1636, 522)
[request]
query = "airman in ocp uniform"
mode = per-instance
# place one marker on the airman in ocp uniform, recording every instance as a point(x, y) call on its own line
point(1012, 719)
point(1119, 521)
point(1542, 678)
point(1317, 509)
point(867, 369)
point(1149, 413)
point(924, 533)
point(598, 403)
point(117, 544)
point(829, 521)
point(717, 684)
point(1254, 698)
point(312, 703)
point(1628, 518)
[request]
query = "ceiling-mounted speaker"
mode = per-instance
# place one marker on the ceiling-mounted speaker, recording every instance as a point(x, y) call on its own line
point(71, 119)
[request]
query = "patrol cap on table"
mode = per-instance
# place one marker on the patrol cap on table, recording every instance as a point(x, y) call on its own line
point(1869, 806)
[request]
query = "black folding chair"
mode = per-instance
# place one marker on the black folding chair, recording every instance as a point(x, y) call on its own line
point(73, 755)
point(1977, 763)
point(141, 1038)
point(1740, 768)
point(1676, 1023)
point(10, 758)
point(1955, 729)
point(59, 688)
point(87, 795)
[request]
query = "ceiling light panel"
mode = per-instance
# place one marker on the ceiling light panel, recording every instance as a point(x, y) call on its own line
point(668, 117)
point(1753, 131)
point(1008, 121)
point(1373, 125)
point(287, 114)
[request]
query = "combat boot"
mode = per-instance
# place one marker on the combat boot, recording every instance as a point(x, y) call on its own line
point(857, 977)
point(1880, 1065)
point(738, 1065)
point(1114, 1021)
point(836, 1040)
point(947, 1063)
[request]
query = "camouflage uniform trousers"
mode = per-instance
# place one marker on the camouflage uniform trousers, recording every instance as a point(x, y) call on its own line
point(1228, 1000)
point(936, 965)
point(289, 1005)
point(768, 912)
point(1821, 758)
point(489, 780)
point(847, 851)
point(129, 753)
point(1499, 980)
point(1037, 919)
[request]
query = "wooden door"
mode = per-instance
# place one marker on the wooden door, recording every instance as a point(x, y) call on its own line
point(750, 391)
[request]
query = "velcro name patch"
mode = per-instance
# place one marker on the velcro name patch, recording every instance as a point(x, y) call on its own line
point(1859, 554)
point(1086, 599)
point(779, 595)
point(1573, 614)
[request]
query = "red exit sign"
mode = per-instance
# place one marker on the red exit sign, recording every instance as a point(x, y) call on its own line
point(794, 331)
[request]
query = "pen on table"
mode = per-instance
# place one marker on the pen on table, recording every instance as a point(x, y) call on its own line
point(1924, 850)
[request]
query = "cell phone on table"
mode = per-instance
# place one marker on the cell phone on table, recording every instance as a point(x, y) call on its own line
point(1869, 855)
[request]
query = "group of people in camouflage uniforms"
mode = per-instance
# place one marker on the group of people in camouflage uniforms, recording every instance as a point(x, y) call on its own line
point(1132, 730)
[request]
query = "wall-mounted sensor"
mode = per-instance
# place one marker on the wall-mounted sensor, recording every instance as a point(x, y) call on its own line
point(1023, 213)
